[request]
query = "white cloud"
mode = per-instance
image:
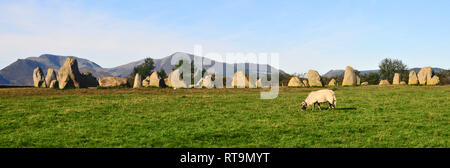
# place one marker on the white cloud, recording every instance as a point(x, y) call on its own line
point(69, 30)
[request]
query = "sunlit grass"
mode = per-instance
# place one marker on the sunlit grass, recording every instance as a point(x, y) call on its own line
point(373, 116)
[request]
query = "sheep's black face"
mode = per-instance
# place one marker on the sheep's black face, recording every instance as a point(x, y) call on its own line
point(304, 106)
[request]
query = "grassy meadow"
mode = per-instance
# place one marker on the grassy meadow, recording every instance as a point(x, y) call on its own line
point(372, 116)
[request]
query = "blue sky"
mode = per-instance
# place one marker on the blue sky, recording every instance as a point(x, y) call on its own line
point(320, 35)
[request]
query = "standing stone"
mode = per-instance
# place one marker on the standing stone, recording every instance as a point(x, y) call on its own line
point(305, 82)
point(240, 80)
point(424, 75)
point(349, 77)
point(38, 77)
point(175, 80)
point(264, 83)
point(332, 83)
point(433, 81)
point(51, 75)
point(137, 81)
point(413, 78)
point(295, 82)
point(252, 82)
point(365, 84)
point(53, 84)
point(396, 80)
point(314, 79)
point(258, 83)
point(69, 76)
point(207, 82)
point(113, 82)
point(156, 80)
point(384, 82)
point(199, 83)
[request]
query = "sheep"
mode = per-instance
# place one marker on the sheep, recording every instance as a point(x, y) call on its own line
point(320, 96)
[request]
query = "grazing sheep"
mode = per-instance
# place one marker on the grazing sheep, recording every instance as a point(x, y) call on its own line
point(320, 96)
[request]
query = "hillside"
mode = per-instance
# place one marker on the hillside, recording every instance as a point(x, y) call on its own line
point(21, 71)
point(3, 80)
point(165, 63)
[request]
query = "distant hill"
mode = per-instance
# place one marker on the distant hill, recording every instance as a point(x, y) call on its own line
point(165, 63)
point(333, 73)
point(21, 71)
point(3, 80)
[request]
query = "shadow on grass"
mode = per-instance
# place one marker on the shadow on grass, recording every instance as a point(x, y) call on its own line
point(351, 108)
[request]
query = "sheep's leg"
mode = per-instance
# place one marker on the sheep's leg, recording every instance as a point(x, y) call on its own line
point(318, 104)
point(314, 107)
point(329, 106)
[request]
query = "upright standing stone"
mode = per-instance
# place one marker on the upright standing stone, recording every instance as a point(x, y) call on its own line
point(51, 75)
point(38, 77)
point(137, 81)
point(349, 77)
point(207, 82)
point(396, 80)
point(252, 82)
point(265, 84)
point(332, 83)
point(156, 80)
point(69, 76)
point(314, 79)
point(295, 82)
point(175, 80)
point(413, 78)
point(240, 80)
point(424, 75)
point(258, 83)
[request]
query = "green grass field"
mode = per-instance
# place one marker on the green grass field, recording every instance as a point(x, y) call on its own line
point(373, 116)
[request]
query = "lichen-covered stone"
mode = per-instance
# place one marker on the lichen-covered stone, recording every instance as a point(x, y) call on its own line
point(413, 78)
point(384, 82)
point(314, 79)
point(424, 75)
point(295, 82)
point(112, 82)
point(349, 77)
point(38, 77)
point(137, 81)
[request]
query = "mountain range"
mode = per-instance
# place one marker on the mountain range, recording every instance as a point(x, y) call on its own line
point(20, 72)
